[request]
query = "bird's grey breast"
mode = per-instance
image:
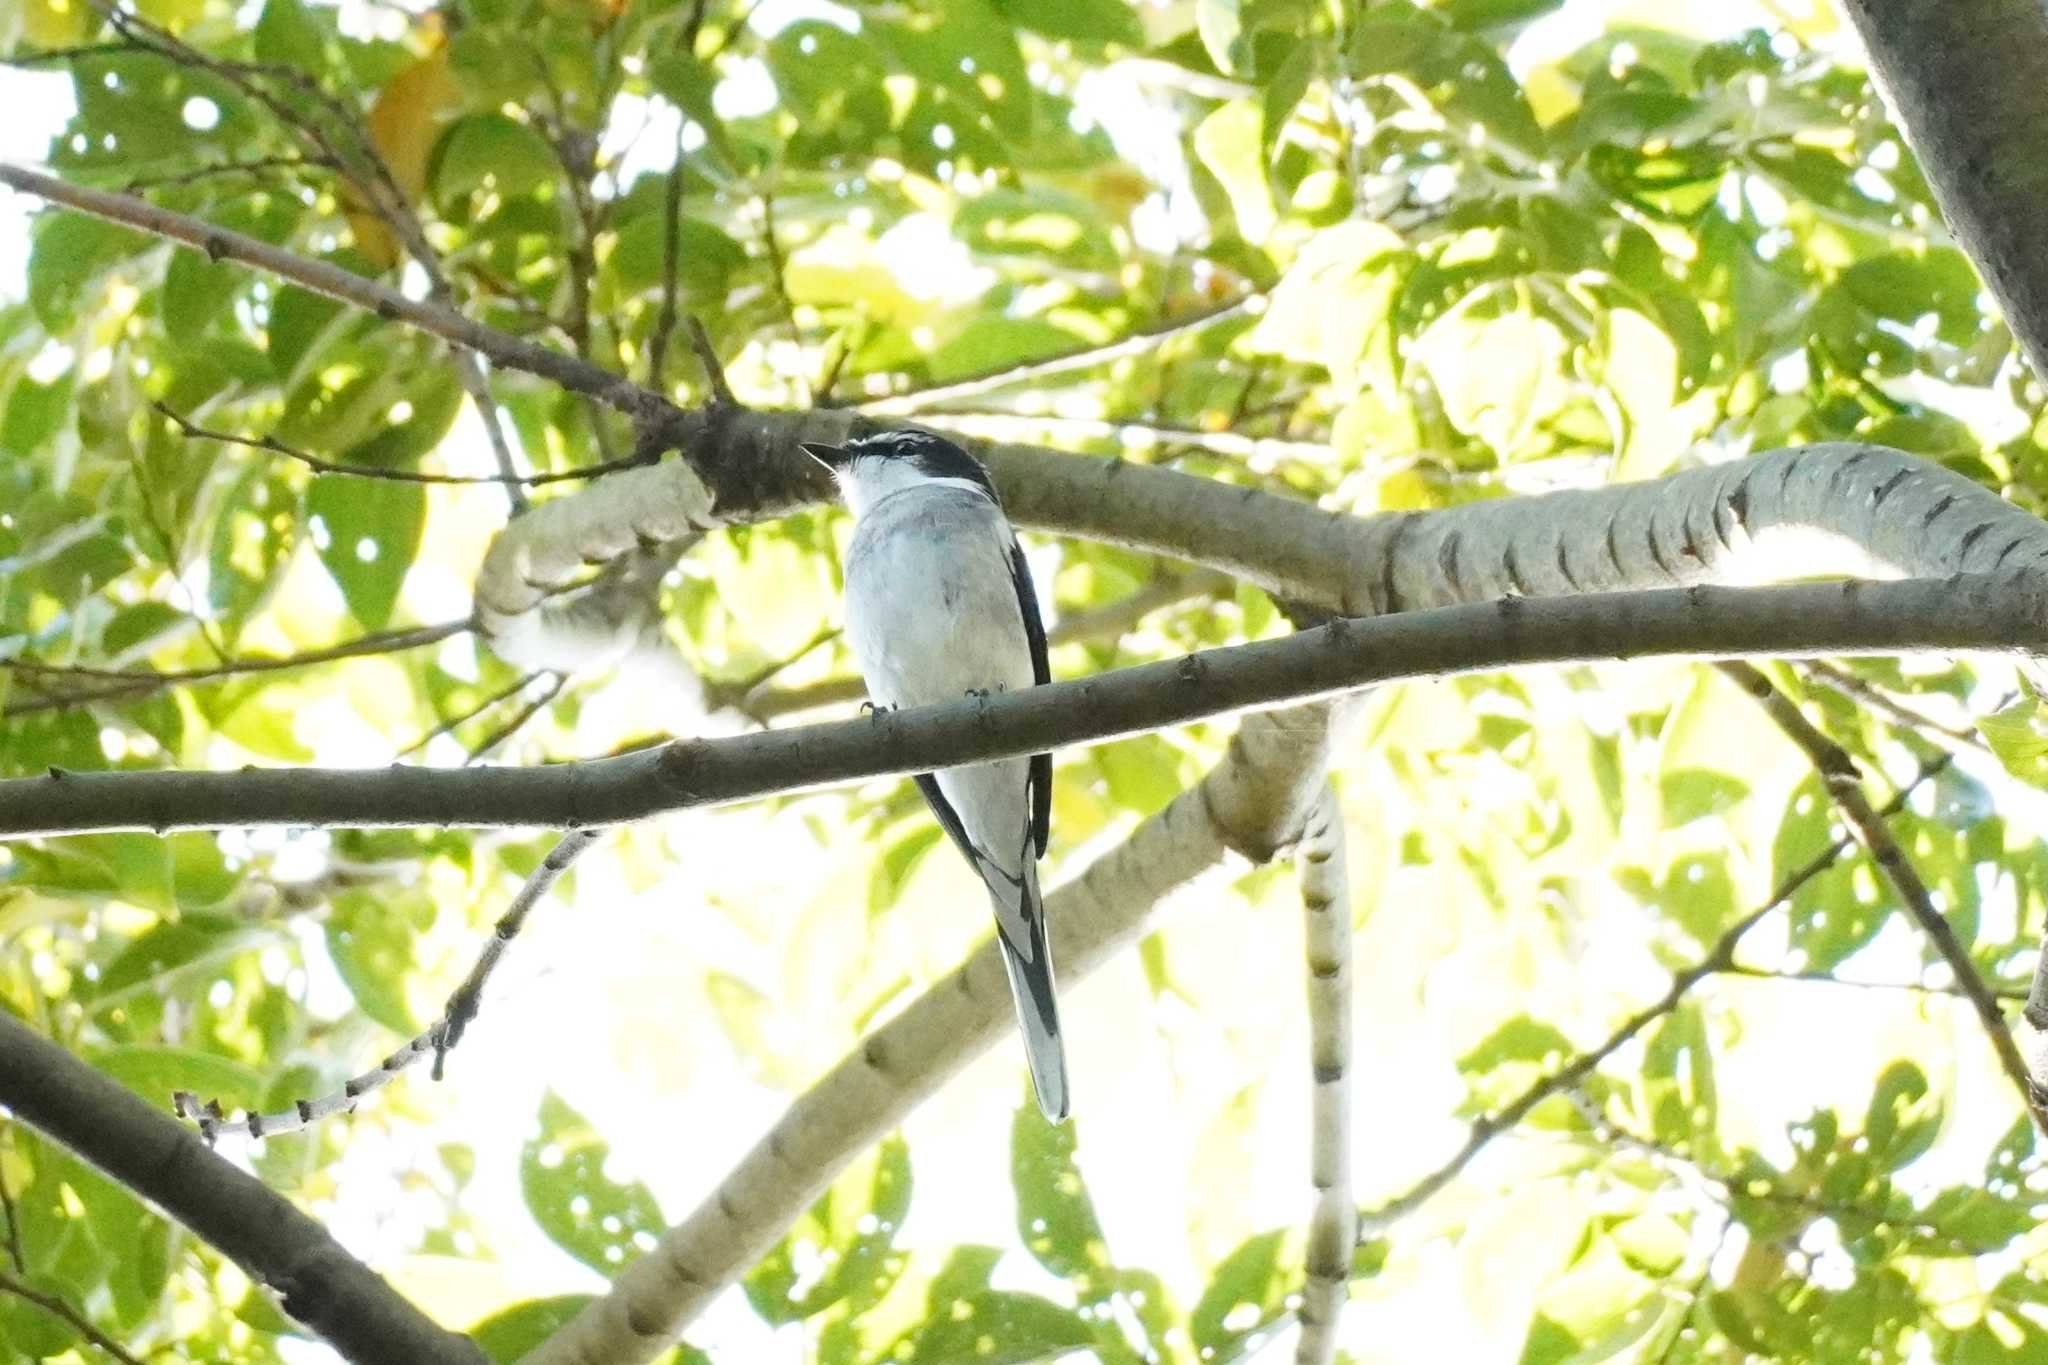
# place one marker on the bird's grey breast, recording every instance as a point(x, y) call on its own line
point(931, 608)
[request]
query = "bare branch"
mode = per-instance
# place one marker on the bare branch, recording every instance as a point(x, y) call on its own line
point(220, 243)
point(671, 263)
point(64, 1312)
point(1843, 681)
point(1010, 426)
point(153, 1154)
point(549, 691)
point(714, 369)
point(1567, 1077)
point(1820, 978)
point(1966, 612)
point(439, 1040)
point(1332, 1228)
point(129, 684)
point(1038, 371)
point(456, 721)
point(273, 446)
point(1844, 783)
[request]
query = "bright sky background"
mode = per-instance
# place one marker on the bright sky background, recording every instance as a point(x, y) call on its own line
point(594, 993)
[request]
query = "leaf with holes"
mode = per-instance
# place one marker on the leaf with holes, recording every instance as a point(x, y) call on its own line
point(1055, 1216)
point(851, 1229)
point(367, 531)
point(602, 1222)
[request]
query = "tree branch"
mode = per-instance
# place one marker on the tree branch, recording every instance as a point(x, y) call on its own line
point(1333, 1224)
point(460, 1011)
point(1975, 612)
point(1844, 783)
point(1718, 959)
point(64, 1312)
point(273, 446)
point(1038, 371)
point(1254, 801)
point(130, 683)
point(331, 281)
point(153, 1154)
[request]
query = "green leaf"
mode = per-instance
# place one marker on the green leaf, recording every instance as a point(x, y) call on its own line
point(367, 532)
point(34, 1331)
point(602, 1222)
point(511, 1332)
point(494, 153)
point(1088, 21)
point(1333, 302)
point(1251, 1276)
point(851, 1228)
point(196, 292)
point(69, 253)
point(1055, 1216)
point(997, 1327)
point(370, 939)
point(286, 35)
point(1220, 24)
point(155, 1072)
point(1230, 143)
point(2018, 735)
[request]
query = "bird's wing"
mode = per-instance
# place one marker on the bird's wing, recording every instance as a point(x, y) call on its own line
point(949, 819)
point(1041, 674)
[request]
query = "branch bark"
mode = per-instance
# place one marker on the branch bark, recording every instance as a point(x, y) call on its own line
point(1253, 802)
point(1967, 82)
point(1333, 1222)
point(319, 1283)
point(2007, 612)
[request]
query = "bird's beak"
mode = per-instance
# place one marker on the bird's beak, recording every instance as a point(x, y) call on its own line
point(832, 457)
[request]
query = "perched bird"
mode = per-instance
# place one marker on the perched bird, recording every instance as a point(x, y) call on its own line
point(939, 604)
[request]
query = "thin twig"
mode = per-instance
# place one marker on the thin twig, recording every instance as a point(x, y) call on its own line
point(553, 689)
point(1718, 959)
point(439, 1040)
point(1010, 426)
point(778, 266)
point(133, 683)
point(1842, 680)
point(77, 1321)
point(1038, 371)
point(1332, 1229)
point(455, 722)
point(714, 369)
point(671, 266)
point(257, 166)
point(1844, 783)
point(1821, 978)
point(272, 445)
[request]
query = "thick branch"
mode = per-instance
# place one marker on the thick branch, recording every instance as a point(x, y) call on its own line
point(1254, 801)
point(1967, 81)
point(319, 1283)
point(2003, 613)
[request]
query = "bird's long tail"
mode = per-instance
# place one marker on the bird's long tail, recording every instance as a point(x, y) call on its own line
point(1031, 986)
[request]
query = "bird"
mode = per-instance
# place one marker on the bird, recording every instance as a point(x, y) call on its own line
point(939, 604)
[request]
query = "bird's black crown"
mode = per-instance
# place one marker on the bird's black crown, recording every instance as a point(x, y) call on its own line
point(934, 456)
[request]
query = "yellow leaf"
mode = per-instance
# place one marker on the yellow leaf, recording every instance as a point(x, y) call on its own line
point(404, 124)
